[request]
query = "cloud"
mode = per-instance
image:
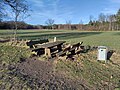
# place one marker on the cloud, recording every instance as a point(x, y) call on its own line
point(112, 7)
point(109, 10)
point(54, 9)
point(37, 3)
point(115, 1)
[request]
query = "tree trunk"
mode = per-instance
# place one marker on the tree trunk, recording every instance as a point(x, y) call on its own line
point(16, 27)
point(110, 24)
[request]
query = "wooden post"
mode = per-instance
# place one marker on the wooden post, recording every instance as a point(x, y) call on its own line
point(54, 39)
point(47, 52)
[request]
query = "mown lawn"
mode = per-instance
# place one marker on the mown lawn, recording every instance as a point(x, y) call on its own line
point(93, 38)
point(84, 69)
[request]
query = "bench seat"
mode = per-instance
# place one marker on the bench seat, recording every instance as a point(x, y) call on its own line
point(32, 43)
point(62, 53)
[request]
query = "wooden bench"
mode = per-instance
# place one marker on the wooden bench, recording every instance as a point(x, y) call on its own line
point(74, 48)
point(63, 52)
point(32, 43)
point(70, 49)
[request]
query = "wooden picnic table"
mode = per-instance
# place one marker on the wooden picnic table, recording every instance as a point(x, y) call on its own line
point(50, 45)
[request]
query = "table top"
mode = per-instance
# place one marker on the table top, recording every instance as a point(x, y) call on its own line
point(50, 44)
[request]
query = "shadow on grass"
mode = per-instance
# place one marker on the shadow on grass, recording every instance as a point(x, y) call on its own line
point(28, 32)
point(63, 36)
point(117, 33)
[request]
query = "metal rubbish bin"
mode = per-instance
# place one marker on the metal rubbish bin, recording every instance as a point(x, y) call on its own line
point(102, 53)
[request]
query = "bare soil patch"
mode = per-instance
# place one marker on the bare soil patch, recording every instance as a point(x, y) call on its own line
point(43, 76)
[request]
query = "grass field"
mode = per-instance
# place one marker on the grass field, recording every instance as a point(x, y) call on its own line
point(93, 38)
point(82, 73)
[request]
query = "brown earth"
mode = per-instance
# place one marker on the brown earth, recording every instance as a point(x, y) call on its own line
point(43, 76)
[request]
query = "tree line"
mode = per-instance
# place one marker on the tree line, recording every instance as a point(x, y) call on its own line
point(106, 22)
point(19, 10)
point(21, 25)
point(103, 23)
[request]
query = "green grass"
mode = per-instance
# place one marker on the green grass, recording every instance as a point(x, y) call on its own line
point(10, 54)
point(95, 73)
point(85, 67)
point(93, 38)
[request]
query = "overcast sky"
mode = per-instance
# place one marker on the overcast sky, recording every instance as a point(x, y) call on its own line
point(74, 10)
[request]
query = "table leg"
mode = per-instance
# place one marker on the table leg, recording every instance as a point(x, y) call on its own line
point(59, 48)
point(47, 52)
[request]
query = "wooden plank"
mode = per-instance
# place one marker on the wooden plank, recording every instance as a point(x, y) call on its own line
point(34, 42)
point(50, 45)
point(72, 50)
point(76, 46)
point(63, 53)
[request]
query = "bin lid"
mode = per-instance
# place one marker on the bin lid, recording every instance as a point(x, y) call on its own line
point(102, 47)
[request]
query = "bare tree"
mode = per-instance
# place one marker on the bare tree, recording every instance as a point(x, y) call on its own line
point(50, 23)
point(112, 21)
point(2, 10)
point(118, 19)
point(91, 18)
point(19, 9)
point(68, 22)
point(80, 27)
point(102, 19)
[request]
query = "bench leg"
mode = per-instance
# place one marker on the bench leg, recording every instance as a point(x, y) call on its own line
point(59, 48)
point(73, 52)
point(47, 52)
